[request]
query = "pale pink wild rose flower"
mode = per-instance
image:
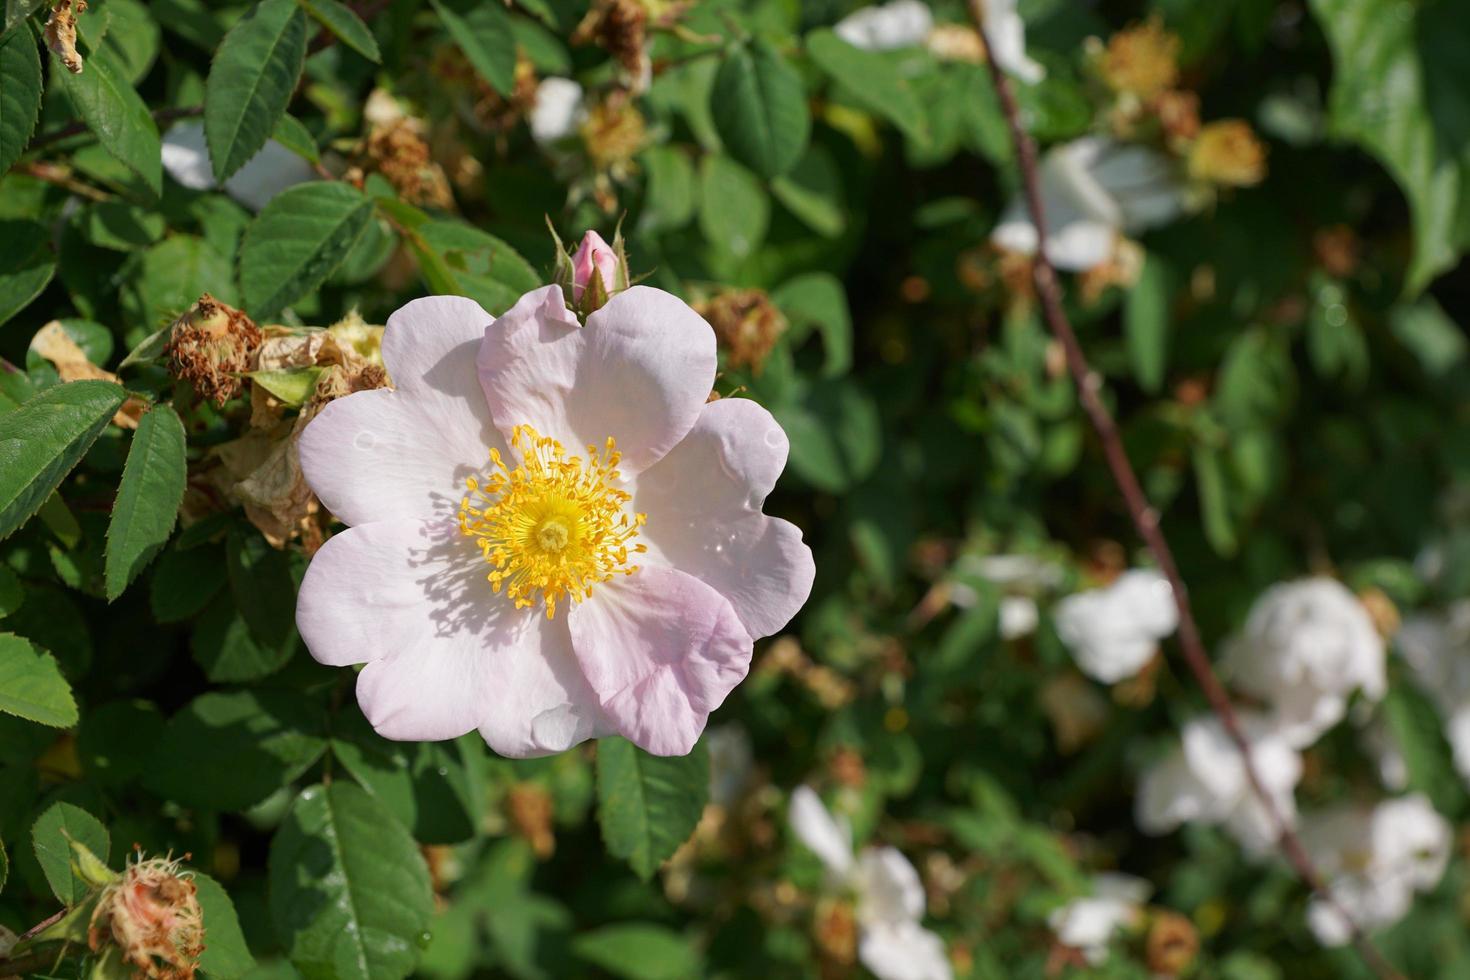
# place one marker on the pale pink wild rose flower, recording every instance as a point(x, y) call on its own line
point(613, 585)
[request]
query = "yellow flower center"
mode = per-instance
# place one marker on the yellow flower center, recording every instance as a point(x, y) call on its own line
point(553, 526)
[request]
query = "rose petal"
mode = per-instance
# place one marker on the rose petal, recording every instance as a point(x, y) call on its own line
point(455, 655)
point(639, 371)
point(903, 951)
point(385, 455)
point(703, 504)
point(890, 889)
point(661, 649)
point(824, 835)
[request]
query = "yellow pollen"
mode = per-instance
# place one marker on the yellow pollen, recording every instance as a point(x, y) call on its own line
point(554, 526)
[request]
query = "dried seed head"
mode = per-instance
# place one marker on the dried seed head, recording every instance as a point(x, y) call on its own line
point(151, 914)
point(619, 27)
point(1172, 943)
point(746, 324)
point(1228, 153)
point(210, 345)
point(1141, 61)
point(529, 807)
point(613, 132)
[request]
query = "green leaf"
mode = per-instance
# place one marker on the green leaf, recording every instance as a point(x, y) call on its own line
point(114, 111)
point(1432, 337)
point(173, 275)
point(1214, 501)
point(640, 951)
point(31, 685)
point(229, 652)
point(250, 82)
point(20, 94)
point(483, 33)
point(263, 587)
point(183, 582)
point(1146, 324)
point(648, 805)
point(293, 387)
point(1381, 99)
point(759, 108)
point(813, 192)
point(347, 26)
point(16, 12)
point(52, 835)
point(299, 238)
point(734, 211)
point(148, 497)
point(669, 200)
point(835, 432)
point(349, 892)
point(229, 751)
point(27, 264)
point(818, 300)
point(225, 954)
point(42, 440)
point(424, 785)
point(870, 79)
point(115, 740)
point(1417, 730)
point(291, 133)
point(123, 227)
point(482, 266)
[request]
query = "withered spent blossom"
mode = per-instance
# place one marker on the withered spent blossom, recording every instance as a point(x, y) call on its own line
point(747, 326)
point(210, 345)
point(1172, 943)
point(1141, 60)
point(151, 915)
point(61, 33)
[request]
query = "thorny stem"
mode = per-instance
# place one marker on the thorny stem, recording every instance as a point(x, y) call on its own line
point(1145, 517)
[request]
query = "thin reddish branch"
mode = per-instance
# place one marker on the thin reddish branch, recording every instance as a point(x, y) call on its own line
point(1145, 517)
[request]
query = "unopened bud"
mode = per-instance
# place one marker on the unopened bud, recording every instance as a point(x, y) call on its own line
point(151, 915)
point(210, 346)
point(592, 275)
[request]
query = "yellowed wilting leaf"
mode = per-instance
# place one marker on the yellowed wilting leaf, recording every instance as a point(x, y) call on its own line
point(54, 344)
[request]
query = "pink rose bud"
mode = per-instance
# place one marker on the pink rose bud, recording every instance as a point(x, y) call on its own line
point(593, 255)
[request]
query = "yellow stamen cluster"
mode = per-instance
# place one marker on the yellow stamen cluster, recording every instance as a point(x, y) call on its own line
point(553, 526)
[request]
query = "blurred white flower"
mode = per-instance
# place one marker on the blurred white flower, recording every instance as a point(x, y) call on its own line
point(1204, 781)
point(1374, 860)
point(1436, 647)
point(1088, 924)
point(1112, 632)
point(1093, 190)
point(557, 111)
point(1018, 576)
point(1005, 36)
point(889, 897)
point(272, 170)
point(883, 27)
point(1307, 645)
point(730, 762)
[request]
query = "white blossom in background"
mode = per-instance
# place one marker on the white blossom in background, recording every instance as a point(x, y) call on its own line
point(1088, 924)
point(1094, 190)
point(1306, 647)
point(1204, 781)
point(557, 110)
point(1436, 647)
point(1019, 577)
point(272, 170)
point(731, 763)
point(1005, 37)
point(1114, 631)
point(1373, 860)
point(888, 895)
point(887, 26)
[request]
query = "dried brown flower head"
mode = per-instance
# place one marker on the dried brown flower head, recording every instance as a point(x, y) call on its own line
point(1172, 943)
point(1142, 60)
point(747, 326)
point(210, 345)
point(613, 132)
point(619, 27)
point(151, 914)
point(1228, 153)
point(529, 807)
